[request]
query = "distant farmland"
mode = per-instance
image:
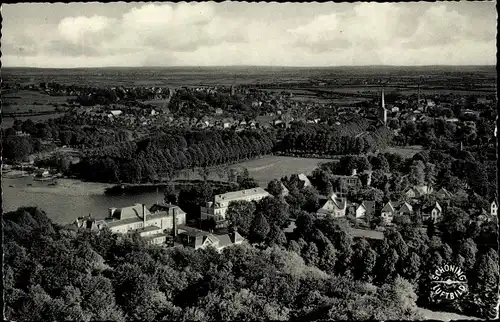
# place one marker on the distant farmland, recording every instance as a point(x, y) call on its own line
point(23, 101)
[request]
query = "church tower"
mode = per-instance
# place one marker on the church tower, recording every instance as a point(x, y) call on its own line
point(382, 110)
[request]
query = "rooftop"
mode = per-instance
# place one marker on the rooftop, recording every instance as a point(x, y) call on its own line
point(235, 195)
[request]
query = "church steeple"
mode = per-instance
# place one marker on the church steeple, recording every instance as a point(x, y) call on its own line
point(382, 100)
point(382, 110)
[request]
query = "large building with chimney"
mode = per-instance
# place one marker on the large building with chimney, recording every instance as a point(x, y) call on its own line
point(153, 224)
point(218, 208)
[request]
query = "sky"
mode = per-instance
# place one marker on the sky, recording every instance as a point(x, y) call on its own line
point(239, 33)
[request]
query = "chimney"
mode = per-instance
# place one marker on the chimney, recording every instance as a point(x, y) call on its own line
point(174, 223)
point(354, 172)
point(144, 215)
point(111, 212)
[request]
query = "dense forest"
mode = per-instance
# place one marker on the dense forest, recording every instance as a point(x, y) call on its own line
point(352, 138)
point(161, 156)
point(318, 272)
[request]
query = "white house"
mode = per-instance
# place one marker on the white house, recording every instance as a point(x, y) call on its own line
point(217, 209)
point(365, 208)
point(333, 207)
point(433, 213)
point(494, 208)
point(115, 113)
point(395, 208)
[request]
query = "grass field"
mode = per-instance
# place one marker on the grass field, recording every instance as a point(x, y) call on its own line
point(406, 152)
point(267, 168)
point(443, 316)
point(23, 101)
point(8, 121)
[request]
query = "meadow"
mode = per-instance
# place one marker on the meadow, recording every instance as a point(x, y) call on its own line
point(406, 152)
point(265, 169)
point(24, 101)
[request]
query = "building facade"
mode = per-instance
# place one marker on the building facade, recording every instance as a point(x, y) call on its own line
point(333, 207)
point(218, 208)
point(154, 225)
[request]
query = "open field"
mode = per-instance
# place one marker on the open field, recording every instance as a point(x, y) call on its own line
point(406, 152)
point(8, 121)
point(267, 168)
point(23, 101)
point(443, 316)
point(342, 77)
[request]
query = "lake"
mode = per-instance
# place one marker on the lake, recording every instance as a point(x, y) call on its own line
point(73, 198)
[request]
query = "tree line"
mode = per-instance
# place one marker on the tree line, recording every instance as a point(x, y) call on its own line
point(334, 140)
point(161, 156)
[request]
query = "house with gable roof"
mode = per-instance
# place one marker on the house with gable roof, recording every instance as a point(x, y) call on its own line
point(200, 239)
point(494, 208)
point(365, 208)
point(393, 209)
point(418, 191)
point(432, 213)
point(443, 193)
point(333, 207)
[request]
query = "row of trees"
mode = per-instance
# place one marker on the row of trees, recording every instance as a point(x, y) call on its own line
point(352, 139)
point(155, 158)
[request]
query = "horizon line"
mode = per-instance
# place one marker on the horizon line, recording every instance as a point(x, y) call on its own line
point(250, 66)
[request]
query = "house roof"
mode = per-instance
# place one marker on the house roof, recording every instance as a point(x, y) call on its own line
point(389, 207)
point(333, 203)
point(444, 192)
point(369, 206)
point(116, 222)
point(135, 211)
point(285, 189)
point(236, 195)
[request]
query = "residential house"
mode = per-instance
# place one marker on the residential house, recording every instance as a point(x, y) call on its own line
point(483, 216)
point(432, 213)
point(300, 180)
point(42, 173)
point(284, 190)
point(150, 224)
point(353, 182)
point(264, 121)
point(115, 113)
point(494, 208)
point(365, 208)
point(393, 209)
point(333, 207)
point(443, 193)
point(218, 111)
point(199, 239)
point(417, 192)
point(218, 208)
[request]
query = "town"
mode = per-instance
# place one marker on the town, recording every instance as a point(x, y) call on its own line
point(249, 161)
